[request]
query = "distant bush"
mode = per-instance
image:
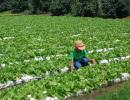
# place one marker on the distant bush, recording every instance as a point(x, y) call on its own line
point(18, 6)
point(84, 8)
point(5, 5)
point(59, 7)
point(91, 8)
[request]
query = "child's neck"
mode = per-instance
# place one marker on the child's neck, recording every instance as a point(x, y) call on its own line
point(78, 50)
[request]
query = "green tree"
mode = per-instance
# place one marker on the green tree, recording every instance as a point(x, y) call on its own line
point(5, 5)
point(76, 9)
point(59, 7)
point(84, 8)
point(34, 6)
point(109, 8)
point(45, 5)
point(18, 6)
point(123, 8)
point(100, 9)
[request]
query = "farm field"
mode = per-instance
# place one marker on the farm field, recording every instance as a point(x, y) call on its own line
point(39, 46)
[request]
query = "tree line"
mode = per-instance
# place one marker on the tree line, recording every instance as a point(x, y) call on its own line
point(91, 8)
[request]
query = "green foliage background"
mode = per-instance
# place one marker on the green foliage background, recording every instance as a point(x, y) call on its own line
point(42, 36)
point(91, 8)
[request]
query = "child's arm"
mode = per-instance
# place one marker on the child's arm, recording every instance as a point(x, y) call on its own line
point(71, 65)
point(93, 61)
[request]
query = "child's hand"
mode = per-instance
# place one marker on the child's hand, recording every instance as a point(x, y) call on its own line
point(93, 61)
point(72, 68)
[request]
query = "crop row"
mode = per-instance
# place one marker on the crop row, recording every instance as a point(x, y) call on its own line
point(14, 70)
point(27, 78)
point(67, 84)
point(40, 58)
point(19, 52)
point(37, 68)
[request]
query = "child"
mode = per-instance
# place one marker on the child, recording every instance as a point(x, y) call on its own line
point(79, 56)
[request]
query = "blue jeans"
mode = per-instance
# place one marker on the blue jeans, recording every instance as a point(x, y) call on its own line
point(82, 63)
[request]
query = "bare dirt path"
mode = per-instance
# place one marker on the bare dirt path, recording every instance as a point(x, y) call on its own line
point(94, 94)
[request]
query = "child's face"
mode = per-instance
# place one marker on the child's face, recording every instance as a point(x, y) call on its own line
point(80, 47)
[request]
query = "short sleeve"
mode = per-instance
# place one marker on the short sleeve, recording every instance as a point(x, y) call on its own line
point(71, 55)
point(86, 52)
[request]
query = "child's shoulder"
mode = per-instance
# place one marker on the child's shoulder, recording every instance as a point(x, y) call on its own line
point(86, 50)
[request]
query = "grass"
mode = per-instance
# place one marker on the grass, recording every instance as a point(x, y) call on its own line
point(120, 91)
point(8, 13)
point(123, 93)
